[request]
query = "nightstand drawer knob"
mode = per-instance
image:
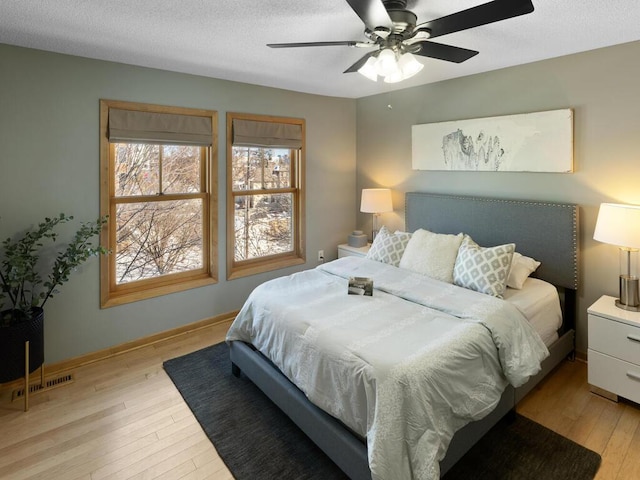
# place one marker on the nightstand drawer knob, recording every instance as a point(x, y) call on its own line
point(634, 338)
point(633, 375)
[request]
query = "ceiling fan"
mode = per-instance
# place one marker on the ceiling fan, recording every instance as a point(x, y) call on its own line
point(394, 34)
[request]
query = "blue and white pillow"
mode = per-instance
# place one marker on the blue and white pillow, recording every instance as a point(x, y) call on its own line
point(388, 247)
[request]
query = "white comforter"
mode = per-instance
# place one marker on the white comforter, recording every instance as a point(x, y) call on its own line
point(406, 367)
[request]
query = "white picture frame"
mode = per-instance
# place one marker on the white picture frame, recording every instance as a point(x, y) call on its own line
point(529, 142)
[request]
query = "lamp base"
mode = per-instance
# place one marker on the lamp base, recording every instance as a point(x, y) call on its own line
point(629, 294)
point(630, 308)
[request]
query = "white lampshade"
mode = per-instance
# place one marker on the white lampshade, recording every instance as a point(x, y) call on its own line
point(376, 200)
point(618, 225)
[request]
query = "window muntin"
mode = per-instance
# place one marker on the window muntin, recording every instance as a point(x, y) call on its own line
point(261, 168)
point(149, 169)
point(265, 212)
point(162, 226)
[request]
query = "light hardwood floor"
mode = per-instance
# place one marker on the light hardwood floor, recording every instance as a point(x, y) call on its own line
point(123, 418)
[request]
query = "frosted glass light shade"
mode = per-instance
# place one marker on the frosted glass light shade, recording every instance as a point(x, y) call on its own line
point(376, 200)
point(394, 77)
point(369, 69)
point(409, 65)
point(387, 63)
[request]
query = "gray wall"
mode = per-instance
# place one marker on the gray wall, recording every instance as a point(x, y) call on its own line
point(49, 164)
point(602, 88)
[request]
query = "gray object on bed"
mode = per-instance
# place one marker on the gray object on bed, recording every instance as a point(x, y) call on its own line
point(547, 232)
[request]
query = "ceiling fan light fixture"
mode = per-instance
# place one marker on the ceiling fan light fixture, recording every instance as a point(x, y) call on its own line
point(394, 77)
point(369, 69)
point(409, 65)
point(391, 66)
point(387, 63)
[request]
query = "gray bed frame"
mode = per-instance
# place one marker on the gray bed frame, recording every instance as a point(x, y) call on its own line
point(547, 232)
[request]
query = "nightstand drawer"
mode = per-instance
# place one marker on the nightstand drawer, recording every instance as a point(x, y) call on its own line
point(614, 375)
point(345, 250)
point(614, 338)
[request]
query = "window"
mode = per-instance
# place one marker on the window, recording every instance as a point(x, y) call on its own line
point(265, 195)
point(158, 186)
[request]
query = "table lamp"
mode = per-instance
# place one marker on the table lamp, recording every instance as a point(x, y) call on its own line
point(375, 201)
point(620, 225)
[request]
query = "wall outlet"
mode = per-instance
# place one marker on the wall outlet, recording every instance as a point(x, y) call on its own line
point(320, 255)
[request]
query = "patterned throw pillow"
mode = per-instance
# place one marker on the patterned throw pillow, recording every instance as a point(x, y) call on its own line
point(481, 269)
point(388, 247)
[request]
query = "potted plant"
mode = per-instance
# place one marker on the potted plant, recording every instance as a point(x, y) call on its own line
point(24, 290)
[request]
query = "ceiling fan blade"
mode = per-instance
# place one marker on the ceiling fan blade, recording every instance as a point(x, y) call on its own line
point(480, 15)
point(372, 13)
point(443, 52)
point(348, 43)
point(356, 66)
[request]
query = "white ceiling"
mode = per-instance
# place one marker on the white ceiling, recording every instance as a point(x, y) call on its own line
point(226, 38)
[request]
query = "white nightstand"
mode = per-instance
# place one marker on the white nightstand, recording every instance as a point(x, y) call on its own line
point(345, 250)
point(614, 350)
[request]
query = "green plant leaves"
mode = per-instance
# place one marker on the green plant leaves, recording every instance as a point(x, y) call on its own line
point(20, 279)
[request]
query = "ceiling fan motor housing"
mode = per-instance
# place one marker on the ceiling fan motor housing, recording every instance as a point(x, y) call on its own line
point(394, 4)
point(404, 21)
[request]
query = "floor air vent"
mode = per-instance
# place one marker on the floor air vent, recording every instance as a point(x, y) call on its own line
point(36, 387)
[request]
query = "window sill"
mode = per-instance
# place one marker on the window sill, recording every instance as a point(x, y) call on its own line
point(244, 270)
point(115, 299)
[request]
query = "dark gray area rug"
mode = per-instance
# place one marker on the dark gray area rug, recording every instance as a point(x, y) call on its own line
point(259, 442)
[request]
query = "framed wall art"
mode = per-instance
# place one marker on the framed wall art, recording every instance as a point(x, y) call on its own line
point(529, 142)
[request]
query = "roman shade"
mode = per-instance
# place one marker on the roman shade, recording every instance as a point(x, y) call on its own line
point(250, 133)
point(151, 127)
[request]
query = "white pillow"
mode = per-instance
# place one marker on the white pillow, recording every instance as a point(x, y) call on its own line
point(432, 254)
point(481, 269)
point(400, 232)
point(388, 247)
point(521, 268)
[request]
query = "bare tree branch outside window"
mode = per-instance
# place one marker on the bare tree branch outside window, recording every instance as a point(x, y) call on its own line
point(159, 212)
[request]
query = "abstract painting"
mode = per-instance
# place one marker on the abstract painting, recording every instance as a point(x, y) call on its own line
point(529, 142)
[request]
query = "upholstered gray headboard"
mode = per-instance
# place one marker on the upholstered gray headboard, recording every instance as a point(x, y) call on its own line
point(547, 232)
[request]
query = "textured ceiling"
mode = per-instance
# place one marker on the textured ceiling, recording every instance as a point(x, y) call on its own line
point(226, 39)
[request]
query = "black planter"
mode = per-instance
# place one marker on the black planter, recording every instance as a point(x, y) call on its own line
point(12, 340)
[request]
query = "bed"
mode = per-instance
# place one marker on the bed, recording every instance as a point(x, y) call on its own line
point(544, 231)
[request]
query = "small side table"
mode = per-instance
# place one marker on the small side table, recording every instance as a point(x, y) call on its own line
point(614, 350)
